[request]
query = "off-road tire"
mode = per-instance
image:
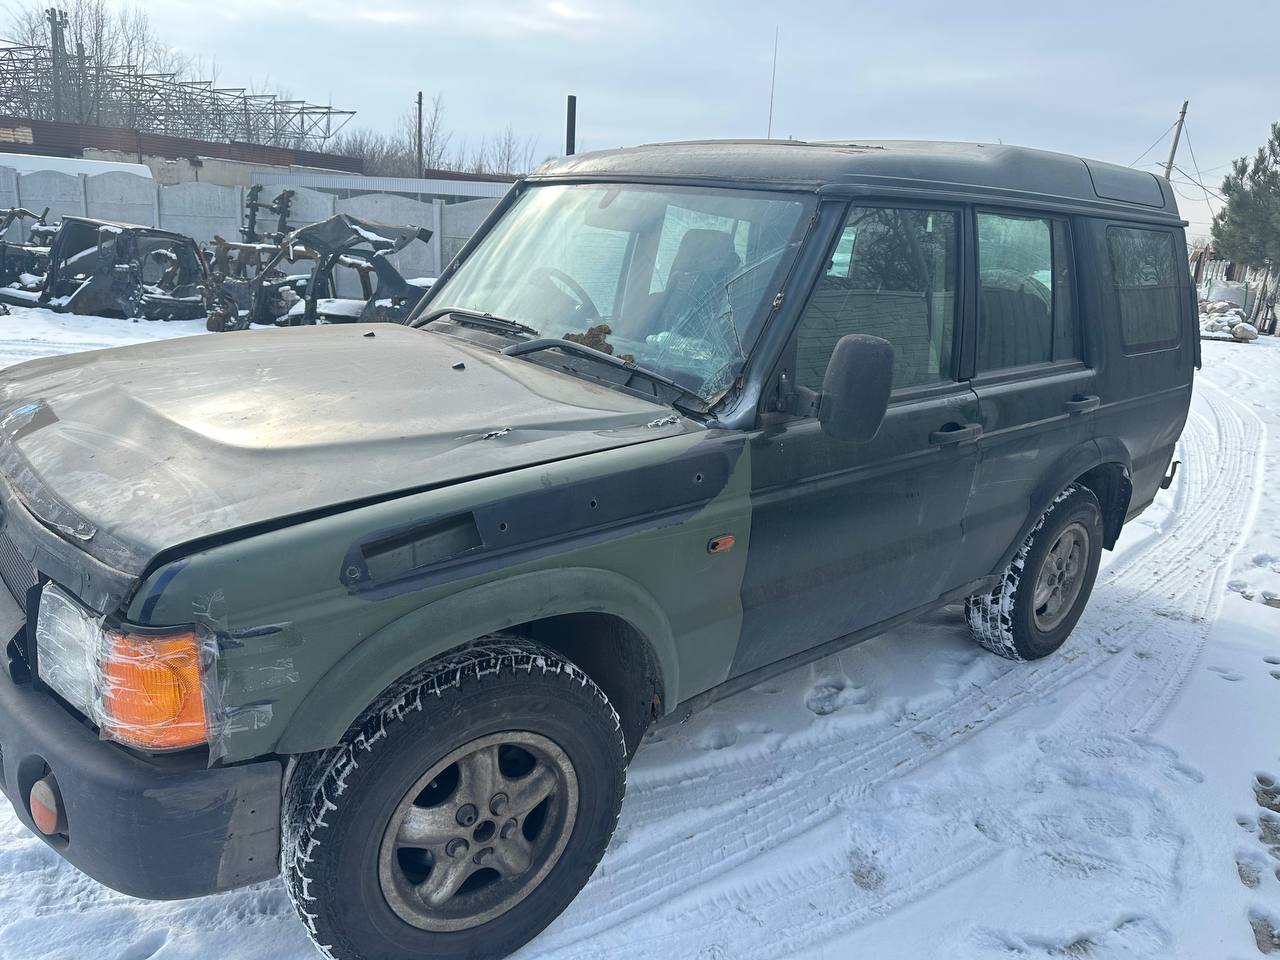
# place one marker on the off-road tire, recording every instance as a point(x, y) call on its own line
point(1004, 620)
point(338, 802)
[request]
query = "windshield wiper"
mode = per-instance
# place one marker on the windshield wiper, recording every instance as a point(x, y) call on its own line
point(474, 318)
point(698, 406)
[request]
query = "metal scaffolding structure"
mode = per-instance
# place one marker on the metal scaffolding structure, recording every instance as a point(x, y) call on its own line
point(49, 83)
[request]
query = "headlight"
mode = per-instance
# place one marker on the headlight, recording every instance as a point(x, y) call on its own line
point(144, 688)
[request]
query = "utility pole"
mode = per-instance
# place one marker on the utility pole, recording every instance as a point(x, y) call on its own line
point(773, 78)
point(421, 168)
point(80, 78)
point(571, 126)
point(57, 55)
point(1177, 135)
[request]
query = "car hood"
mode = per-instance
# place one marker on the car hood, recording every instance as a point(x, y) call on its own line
point(132, 451)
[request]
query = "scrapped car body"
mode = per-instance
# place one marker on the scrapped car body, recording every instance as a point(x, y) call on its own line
point(23, 259)
point(100, 268)
point(388, 608)
point(342, 242)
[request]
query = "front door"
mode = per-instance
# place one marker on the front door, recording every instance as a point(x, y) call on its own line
point(846, 535)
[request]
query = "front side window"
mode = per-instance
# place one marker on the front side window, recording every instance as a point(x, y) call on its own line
point(677, 279)
point(1026, 309)
point(1144, 273)
point(892, 274)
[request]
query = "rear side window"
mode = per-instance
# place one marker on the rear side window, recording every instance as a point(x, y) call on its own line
point(1144, 272)
point(892, 274)
point(1026, 307)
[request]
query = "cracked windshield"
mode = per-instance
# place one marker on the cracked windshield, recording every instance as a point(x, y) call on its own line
point(676, 280)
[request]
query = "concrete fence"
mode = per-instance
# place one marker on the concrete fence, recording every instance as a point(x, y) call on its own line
point(203, 210)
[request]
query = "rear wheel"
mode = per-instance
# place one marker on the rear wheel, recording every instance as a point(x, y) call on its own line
point(465, 812)
point(1043, 591)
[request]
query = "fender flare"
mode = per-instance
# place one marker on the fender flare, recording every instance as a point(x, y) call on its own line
point(1076, 461)
point(356, 680)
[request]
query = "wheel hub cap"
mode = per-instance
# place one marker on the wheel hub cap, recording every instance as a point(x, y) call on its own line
point(1061, 577)
point(478, 831)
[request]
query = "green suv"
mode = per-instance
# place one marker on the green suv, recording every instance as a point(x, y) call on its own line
point(387, 608)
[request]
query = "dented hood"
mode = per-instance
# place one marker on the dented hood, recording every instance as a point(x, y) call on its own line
point(131, 451)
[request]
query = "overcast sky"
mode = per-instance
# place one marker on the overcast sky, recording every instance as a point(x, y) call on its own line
point(1100, 79)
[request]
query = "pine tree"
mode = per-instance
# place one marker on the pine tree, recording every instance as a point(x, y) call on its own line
point(1247, 229)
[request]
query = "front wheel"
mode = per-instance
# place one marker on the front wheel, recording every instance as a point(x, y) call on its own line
point(463, 814)
point(1044, 589)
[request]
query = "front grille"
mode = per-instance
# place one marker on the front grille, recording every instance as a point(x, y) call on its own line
point(15, 570)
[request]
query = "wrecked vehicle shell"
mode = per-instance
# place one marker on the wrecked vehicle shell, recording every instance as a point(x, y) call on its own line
point(247, 290)
point(100, 268)
point(23, 261)
point(361, 245)
point(248, 283)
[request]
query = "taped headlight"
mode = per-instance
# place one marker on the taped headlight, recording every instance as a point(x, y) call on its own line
point(144, 688)
point(68, 641)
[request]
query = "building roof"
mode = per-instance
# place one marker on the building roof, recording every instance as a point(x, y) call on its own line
point(982, 169)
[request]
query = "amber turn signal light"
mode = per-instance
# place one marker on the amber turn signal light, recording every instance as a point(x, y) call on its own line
point(152, 696)
point(721, 544)
point(45, 804)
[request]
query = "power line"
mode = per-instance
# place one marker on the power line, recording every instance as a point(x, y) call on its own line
point(1196, 166)
point(1200, 183)
point(1156, 144)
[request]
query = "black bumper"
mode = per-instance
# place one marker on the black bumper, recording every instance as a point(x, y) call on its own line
point(163, 828)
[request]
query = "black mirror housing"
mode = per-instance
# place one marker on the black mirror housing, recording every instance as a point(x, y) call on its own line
point(855, 389)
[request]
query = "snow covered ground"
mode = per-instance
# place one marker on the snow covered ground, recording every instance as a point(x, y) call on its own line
point(913, 796)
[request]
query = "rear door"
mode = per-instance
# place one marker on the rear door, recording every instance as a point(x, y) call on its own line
point(1151, 339)
point(847, 535)
point(1036, 390)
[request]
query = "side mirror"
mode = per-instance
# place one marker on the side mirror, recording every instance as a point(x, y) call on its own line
point(855, 390)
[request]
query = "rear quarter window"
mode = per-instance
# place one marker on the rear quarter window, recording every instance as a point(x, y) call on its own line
point(1144, 274)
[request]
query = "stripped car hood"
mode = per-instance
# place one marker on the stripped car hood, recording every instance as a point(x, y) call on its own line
point(133, 451)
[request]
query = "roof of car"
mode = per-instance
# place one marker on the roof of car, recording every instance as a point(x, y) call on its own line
point(994, 170)
point(121, 225)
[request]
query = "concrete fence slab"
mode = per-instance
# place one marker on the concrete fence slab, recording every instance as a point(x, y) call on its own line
point(201, 210)
point(62, 193)
point(123, 197)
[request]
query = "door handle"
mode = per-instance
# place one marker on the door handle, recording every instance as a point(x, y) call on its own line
point(1079, 404)
point(956, 433)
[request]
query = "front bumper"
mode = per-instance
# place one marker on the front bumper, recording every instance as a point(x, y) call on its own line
point(162, 828)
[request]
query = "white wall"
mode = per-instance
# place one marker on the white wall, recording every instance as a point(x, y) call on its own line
point(122, 197)
point(63, 194)
point(201, 210)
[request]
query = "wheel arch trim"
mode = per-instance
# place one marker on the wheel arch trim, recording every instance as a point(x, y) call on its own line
point(1067, 469)
point(356, 680)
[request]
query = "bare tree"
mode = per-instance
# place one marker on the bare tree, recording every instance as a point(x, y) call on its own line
point(510, 155)
point(435, 138)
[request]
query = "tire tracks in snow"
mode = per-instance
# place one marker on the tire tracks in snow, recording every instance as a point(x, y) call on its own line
point(1167, 587)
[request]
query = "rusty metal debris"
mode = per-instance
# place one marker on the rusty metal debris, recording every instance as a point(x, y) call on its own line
point(265, 292)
